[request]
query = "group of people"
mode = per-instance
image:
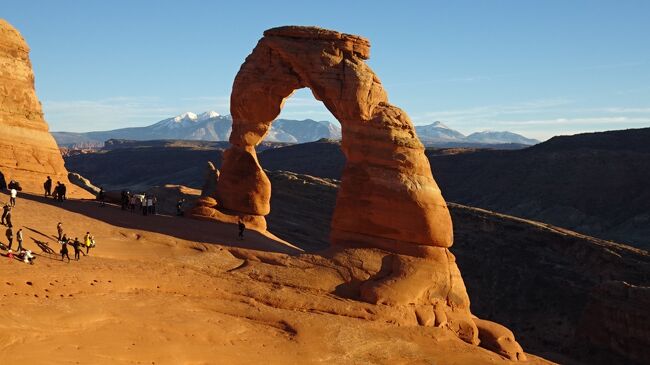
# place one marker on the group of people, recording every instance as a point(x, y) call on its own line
point(147, 203)
point(60, 189)
point(78, 246)
point(7, 208)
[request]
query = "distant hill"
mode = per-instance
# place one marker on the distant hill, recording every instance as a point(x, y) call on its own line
point(597, 183)
point(593, 183)
point(208, 126)
point(439, 135)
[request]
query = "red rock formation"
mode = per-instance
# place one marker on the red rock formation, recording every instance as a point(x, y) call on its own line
point(28, 153)
point(388, 198)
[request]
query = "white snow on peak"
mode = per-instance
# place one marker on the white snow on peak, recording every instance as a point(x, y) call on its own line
point(187, 116)
point(208, 115)
point(440, 125)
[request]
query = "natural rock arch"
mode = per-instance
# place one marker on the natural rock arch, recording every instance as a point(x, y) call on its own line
point(388, 197)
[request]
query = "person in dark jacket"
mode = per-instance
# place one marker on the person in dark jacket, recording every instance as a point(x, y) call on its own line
point(6, 210)
point(47, 186)
point(10, 236)
point(64, 249)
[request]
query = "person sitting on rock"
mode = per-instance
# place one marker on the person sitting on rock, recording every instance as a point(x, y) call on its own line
point(28, 257)
point(47, 186)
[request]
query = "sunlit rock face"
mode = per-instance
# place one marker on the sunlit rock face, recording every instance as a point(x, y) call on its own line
point(28, 153)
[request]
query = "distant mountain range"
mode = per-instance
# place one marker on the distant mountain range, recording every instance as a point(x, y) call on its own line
point(439, 134)
point(210, 126)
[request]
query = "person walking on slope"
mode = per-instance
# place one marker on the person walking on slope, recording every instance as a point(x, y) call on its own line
point(64, 249)
point(47, 186)
point(59, 230)
point(242, 227)
point(19, 238)
point(12, 198)
point(6, 209)
point(10, 236)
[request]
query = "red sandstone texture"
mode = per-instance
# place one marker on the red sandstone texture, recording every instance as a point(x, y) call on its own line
point(388, 198)
point(28, 153)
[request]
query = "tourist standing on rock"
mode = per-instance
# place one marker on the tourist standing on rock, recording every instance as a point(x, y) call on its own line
point(179, 207)
point(132, 202)
point(154, 202)
point(47, 186)
point(10, 236)
point(64, 249)
point(77, 248)
point(242, 227)
point(57, 191)
point(63, 192)
point(19, 238)
point(145, 206)
point(101, 196)
point(124, 199)
point(59, 230)
point(88, 241)
point(6, 210)
point(12, 197)
point(150, 204)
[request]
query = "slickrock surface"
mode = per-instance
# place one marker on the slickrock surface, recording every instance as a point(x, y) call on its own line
point(28, 151)
point(169, 290)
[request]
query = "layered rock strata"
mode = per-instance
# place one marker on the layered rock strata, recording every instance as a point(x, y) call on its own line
point(28, 152)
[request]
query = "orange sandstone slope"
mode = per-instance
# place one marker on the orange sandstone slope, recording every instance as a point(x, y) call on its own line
point(169, 290)
point(29, 153)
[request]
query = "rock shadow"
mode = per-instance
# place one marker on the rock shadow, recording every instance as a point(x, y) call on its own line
point(182, 228)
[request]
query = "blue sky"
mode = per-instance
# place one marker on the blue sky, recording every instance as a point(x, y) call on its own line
point(539, 68)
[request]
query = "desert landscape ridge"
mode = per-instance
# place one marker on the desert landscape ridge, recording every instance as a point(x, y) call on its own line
point(359, 262)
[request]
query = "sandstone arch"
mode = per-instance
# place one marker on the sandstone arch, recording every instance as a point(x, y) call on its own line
point(388, 197)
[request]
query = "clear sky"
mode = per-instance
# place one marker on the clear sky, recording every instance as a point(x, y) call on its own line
point(539, 68)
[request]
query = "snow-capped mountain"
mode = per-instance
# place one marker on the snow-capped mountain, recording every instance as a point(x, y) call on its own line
point(438, 133)
point(499, 137)
point(208, 126)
